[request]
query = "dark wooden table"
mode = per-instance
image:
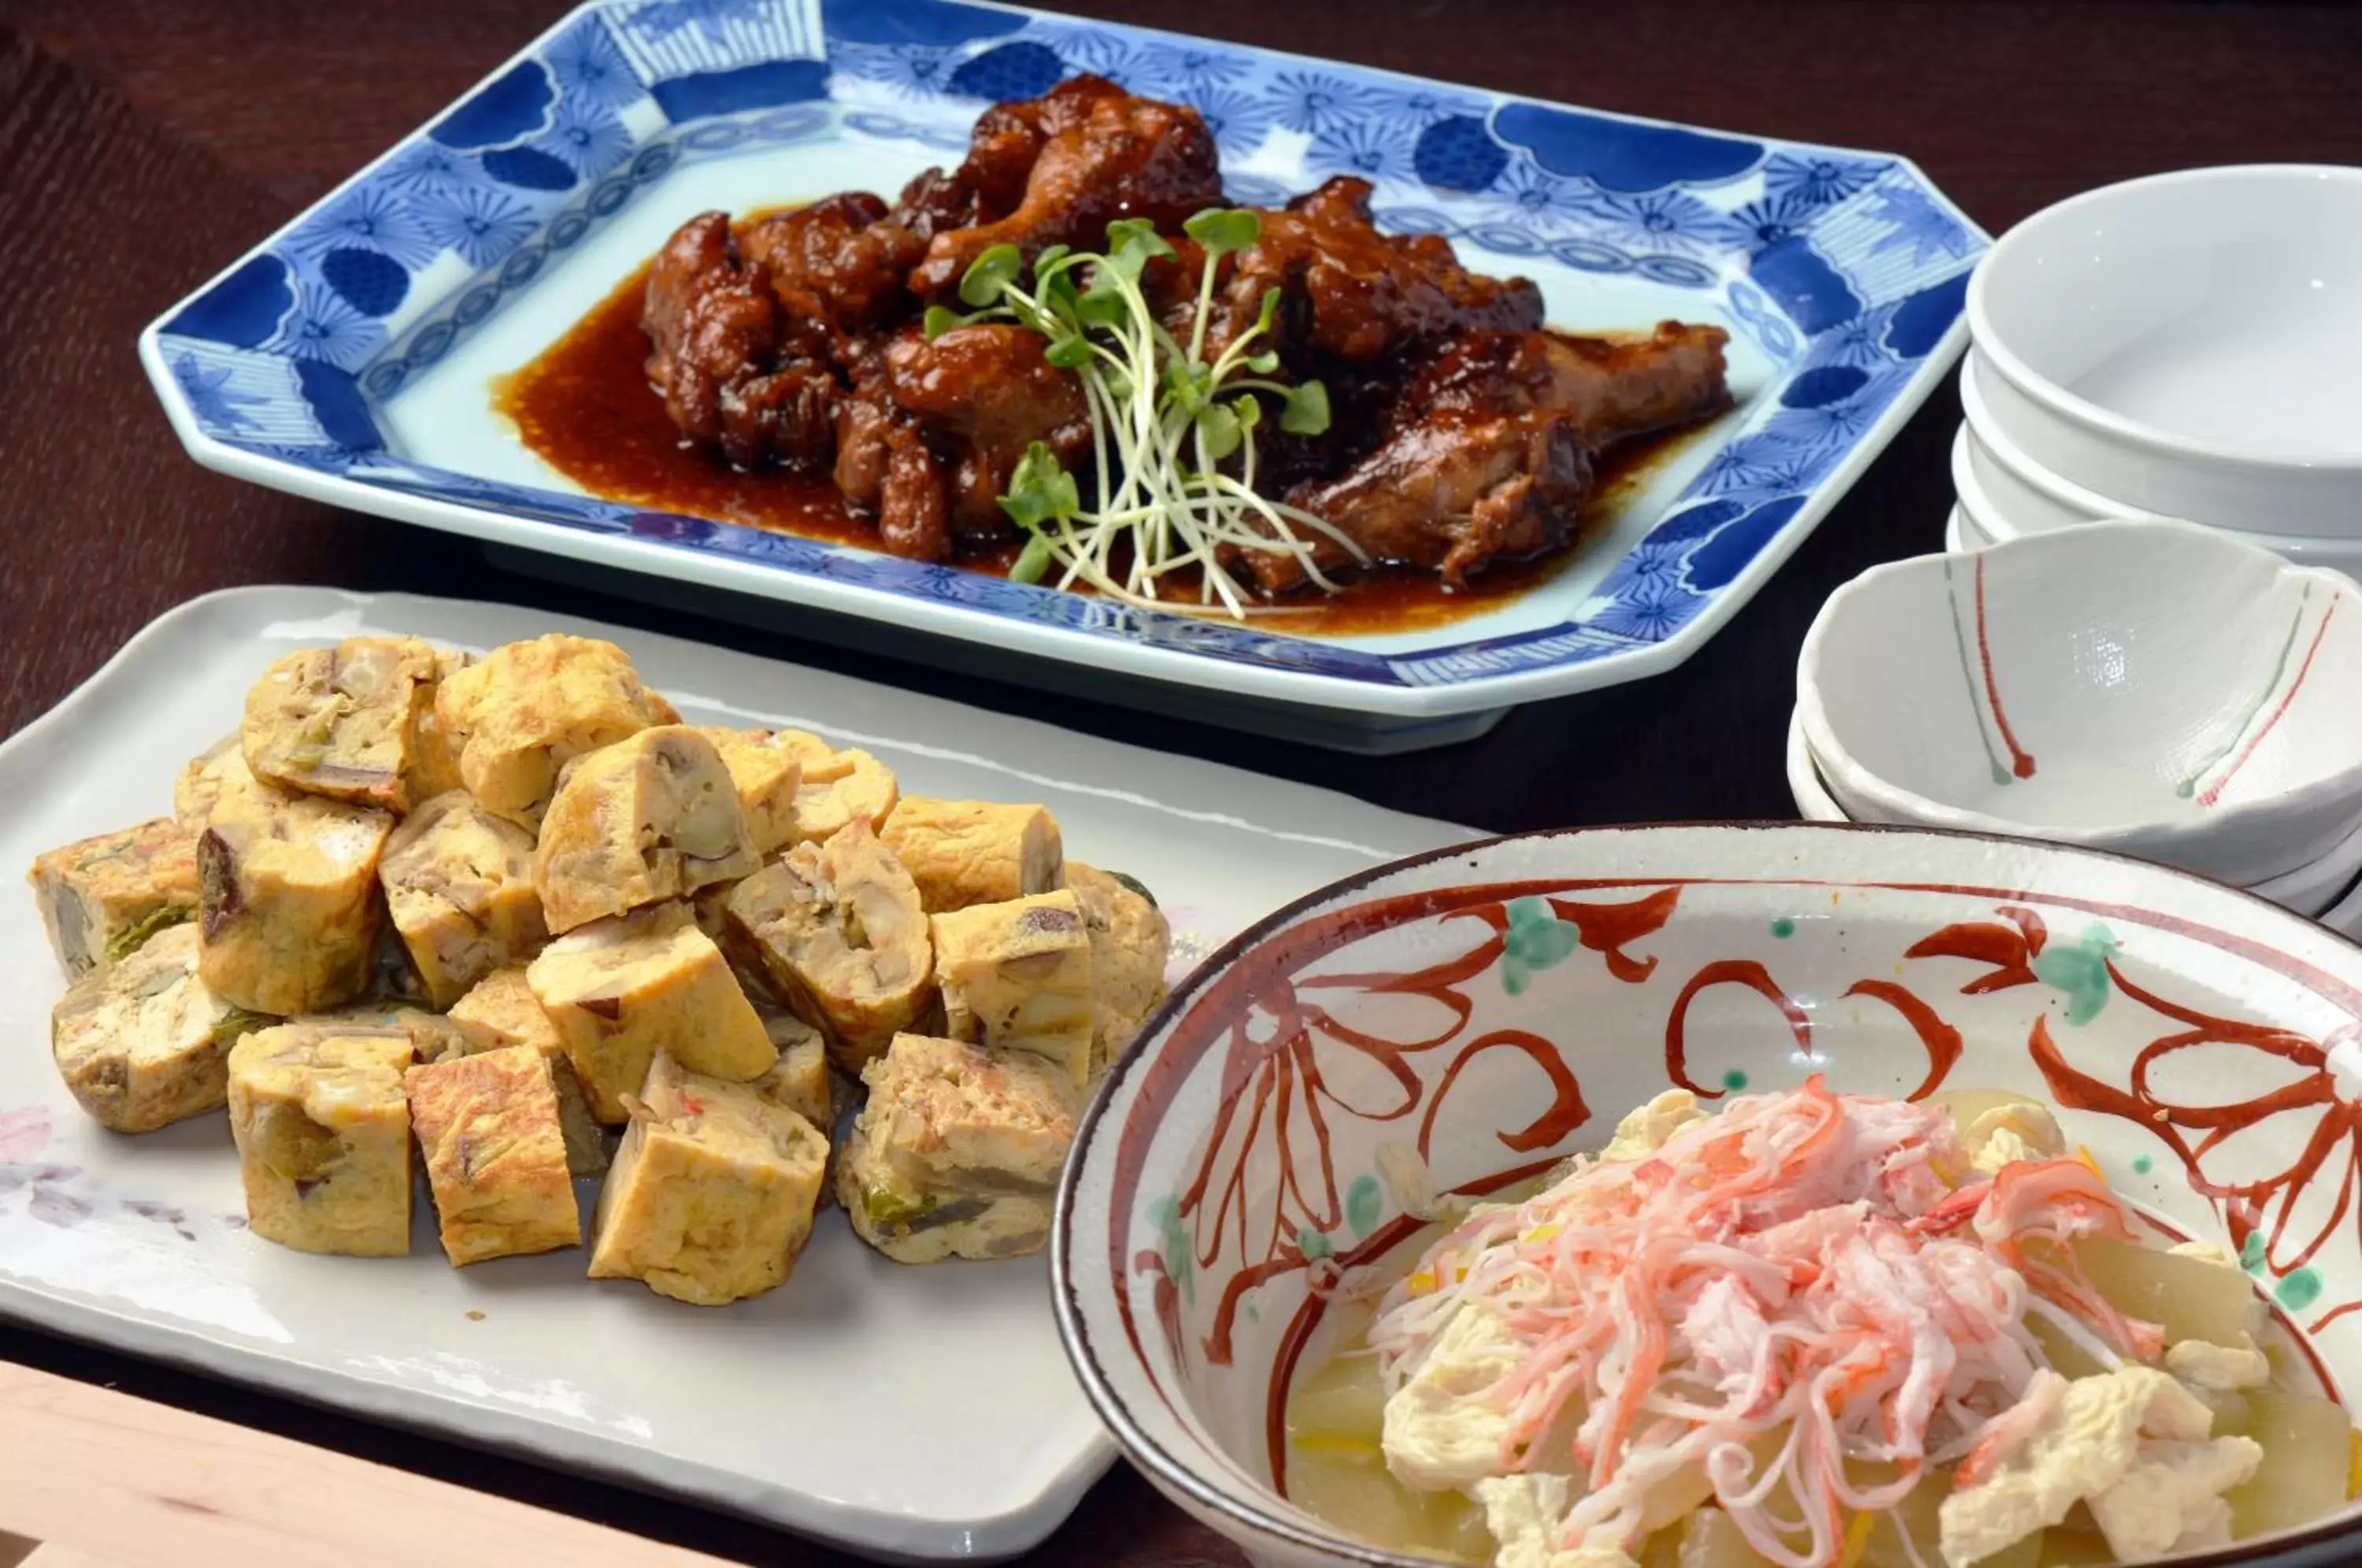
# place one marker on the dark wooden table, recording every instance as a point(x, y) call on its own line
point(144, 143)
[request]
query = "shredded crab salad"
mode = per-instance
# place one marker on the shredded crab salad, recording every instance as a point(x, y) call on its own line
point(1808, 1303)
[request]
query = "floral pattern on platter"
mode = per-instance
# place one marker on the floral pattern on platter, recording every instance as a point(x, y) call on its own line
point(65, 1196)
point(1846, 270)
point(1369, 1056)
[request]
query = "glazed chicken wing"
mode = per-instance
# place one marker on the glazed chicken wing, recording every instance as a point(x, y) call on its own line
point(1058, 171)
point(1489, 456)
point(928, 441)
point(736, 371)
point(837, 262)
point(1348, 292)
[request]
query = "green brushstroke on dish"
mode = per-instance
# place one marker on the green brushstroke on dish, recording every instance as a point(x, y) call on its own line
point(2189, 785)
point(1733, 1081)
point(1536, 939)
point(1362, 1205)
point(1968, 673)
point(1783, 928)
point(2081, 971)
point(1180, 1268)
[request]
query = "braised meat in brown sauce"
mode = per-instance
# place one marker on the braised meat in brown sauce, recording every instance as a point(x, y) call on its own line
point(1462, 432)
point(1089, 153)
point(1489, 453)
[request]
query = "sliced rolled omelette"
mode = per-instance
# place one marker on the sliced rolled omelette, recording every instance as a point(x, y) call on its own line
point(342, 722)
point(800, 1079)
point(957, 1153)
point(973, 852)
point(1017, 977)
point(714, 1190)
point(459, 885)
point(837, 930)
point(431, 1035)
point(650, 818)
point(529, 708)
point(495, 1154)
point(323, 1134)
point(102, 898)
point(198, 782)
point(287, 897)
point(767, 769)
point(502, 1011)
point(434, 758)
point(621, 990)
point(1131, 943)
point(834, 787)
point(143, 1043)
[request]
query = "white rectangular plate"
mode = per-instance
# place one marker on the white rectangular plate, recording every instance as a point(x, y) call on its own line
point(902, 1413)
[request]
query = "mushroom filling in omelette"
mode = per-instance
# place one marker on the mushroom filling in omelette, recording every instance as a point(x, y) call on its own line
point(1816, 1331)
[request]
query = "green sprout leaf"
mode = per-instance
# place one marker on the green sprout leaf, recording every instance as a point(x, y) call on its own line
point(1040, 491)
point(1132, 244)
point(989, 273)
point(1263, 364)
point(1187, 386)
point(939, 320)
point(1306, 412)
point(1268, 310)
point(1071, 352)
point(1219, 424)
point(1224, 230)
point(1102, 304)
point(1250, 411)
point(1050, 258)
point(1034, 562)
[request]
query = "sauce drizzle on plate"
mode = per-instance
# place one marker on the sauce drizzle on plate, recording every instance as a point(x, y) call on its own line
point(583, 405)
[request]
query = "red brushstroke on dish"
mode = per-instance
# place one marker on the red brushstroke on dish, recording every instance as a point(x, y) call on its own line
point(2020, 762)
point(2214, 790)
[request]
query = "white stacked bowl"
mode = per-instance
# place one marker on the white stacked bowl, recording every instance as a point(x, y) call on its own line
point(2182, 346)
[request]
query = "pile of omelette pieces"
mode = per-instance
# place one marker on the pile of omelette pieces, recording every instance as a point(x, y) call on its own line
point(475, 915)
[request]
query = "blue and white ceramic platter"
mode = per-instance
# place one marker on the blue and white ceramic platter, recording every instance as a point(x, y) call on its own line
point(350, 355)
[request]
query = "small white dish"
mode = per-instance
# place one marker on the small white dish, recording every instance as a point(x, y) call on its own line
point(2187, 343)
point(1813, 801)
point(2156, 688)
point(2315, 885)
point(898, 1412)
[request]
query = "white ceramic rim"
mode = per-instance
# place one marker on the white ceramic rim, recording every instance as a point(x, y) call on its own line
point(1981, 425)
point(1813, 796)
point(1975, 502)
point(2345, 854)
point(1916, 810)
point(2089, 415)
point(1962, 534)
point(2317, 1546)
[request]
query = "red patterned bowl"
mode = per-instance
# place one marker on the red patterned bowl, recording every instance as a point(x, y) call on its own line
point(1495, 1006)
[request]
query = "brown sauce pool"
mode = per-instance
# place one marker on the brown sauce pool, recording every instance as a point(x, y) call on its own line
point(585, 408)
